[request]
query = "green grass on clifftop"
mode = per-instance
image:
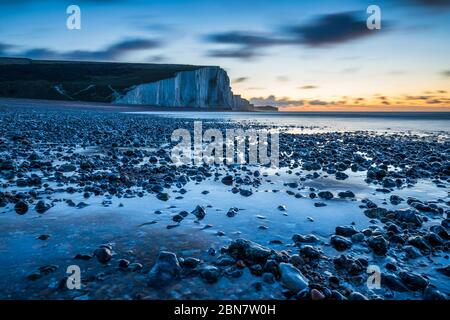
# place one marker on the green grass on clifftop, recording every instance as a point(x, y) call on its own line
point(84, 81)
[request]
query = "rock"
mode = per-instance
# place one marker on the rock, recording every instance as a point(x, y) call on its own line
point(135, 266)
point(177, 218)
point(268, 277)
point(393, 282)
point(210, 274)
point(352, 266)
point(199, 212)
point(245, 193)
point(341, 175)
point(67, 167)
point(412, 252)
point(409, 216)
point(41, 207)
point(309, 238)
point(227, 180)
point(444, 270)
point(272, 267)
point(43, 237)
point(85, 257)
point(345, 231)
point(190, 263)
point(163, 196)
point(376, 173)
point(327, 195)
point(225, 261)
point(357, 296)
point(336, 295)
point(389, 183)
point(413, 281)
point(340, 243)
point(293, 185)
point(124, 263)
point(42, 271)
point(433, 239)
point(419, 243)
point(103, 254)
point(378, 244)
point(319, 204)
point(165, 269)
point(375, 213)
point(81, 205)
point(292, 278)
point(317, 295)
point(310, 252)
point(431, 293)
point(21, 207)
point(357, 237)
point(241, 249)
point(395, 200)
point(346, 194)
point(232, 212)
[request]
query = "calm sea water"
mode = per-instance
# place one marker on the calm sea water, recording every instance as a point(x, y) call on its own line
point(414, 122)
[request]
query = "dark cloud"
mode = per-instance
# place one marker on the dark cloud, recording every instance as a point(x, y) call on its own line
point(157, 58)
point(308, 87)
point(323, 30)
point(434, 101)
point(114, 52)
point(276, 102)
point(4, 47)
point(417, 97)
point(251, 40)
point(318, 103)
point(446, 73)
point(431, 3)
point(240, 80)
point(240, 53)
point(332, 28)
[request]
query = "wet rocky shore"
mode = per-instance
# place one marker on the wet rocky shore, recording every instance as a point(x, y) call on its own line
point(97, 189)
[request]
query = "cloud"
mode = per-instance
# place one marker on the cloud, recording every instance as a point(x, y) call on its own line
point(247, 39)
point(4, 47)
point(283, 78)
point(256, 88)
point(318, 103)
point(244, 53)
point(157, 58)
point(431, 3)
point(274, 101)
point(446, 73)
point(113, 52)
point(330, 29)
point(322, 30)
point(240, 79)
point(245, 45)
point(308, 87)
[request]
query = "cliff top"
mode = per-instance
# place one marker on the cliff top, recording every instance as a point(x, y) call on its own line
point(36, 79)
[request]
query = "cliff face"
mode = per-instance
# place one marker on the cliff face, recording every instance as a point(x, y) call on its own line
point(206, 87)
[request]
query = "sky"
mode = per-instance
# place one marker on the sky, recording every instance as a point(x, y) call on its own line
point(297, 55)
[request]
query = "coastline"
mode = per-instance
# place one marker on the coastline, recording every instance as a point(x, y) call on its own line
point(98, 190)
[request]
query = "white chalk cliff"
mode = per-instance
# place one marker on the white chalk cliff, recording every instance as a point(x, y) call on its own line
point(206, 87)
